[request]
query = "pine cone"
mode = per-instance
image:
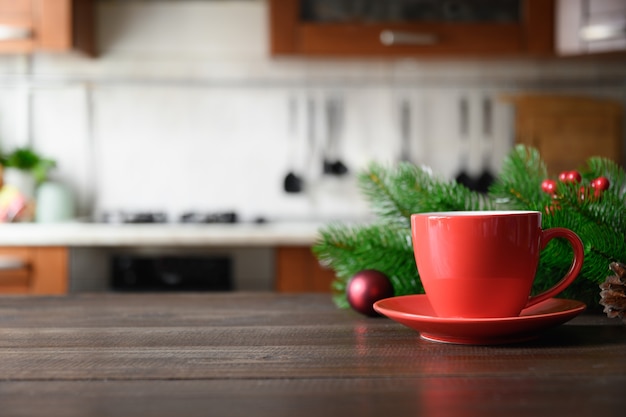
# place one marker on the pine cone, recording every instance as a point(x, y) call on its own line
point(613, 292)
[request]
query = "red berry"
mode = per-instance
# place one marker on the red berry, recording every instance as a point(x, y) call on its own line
point(574, 176)
point(548, 186)
point(601, 183)
point(589, 194)
point(570, 177)
point(553, 207)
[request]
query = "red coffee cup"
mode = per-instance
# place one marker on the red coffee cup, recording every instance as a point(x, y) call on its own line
point(477, 264)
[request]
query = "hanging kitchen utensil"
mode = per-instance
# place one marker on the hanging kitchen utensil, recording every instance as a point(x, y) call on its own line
point(463, 177)
point(405, 130)
point(486, 178)
point(314, 148)
point(332, 163)
point(293, 183)
point(327, 162)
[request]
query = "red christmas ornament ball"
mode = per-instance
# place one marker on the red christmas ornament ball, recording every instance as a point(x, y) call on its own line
point(365, 288)
point(574, 177)
point(601, 183)
point(548, 186)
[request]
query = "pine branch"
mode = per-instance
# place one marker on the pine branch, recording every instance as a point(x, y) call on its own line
point(386, 189)
point(519, 183)
point(597, 166)
point(599, 221)
point(611, 208)
point(350, 249)
point(394, 193)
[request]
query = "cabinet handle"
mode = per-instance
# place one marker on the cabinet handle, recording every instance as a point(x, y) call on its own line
point(392, 37)
point(9, 33)
point(603, 31)
point(8, 263)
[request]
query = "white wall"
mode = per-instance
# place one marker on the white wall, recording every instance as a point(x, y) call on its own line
point(184, 109)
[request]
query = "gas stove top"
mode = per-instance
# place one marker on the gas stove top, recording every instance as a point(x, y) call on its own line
point(117, 217)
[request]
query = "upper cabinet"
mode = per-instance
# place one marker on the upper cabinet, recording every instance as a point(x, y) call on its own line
point(591, 27)
point(396, 28)
point(27, 26)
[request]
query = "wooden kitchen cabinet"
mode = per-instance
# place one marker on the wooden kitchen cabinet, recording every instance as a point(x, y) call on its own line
point(28, 26)
point(346, 28)
point(568, 130)
point(33, 270)
point(297, 270)
point(591, 27)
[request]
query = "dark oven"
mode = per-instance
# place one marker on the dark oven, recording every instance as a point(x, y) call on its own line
point(131, 272)
point(166, 270)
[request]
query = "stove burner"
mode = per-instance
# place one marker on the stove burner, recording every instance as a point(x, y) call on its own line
point(138, 217)
point(147, 217)
point(160, 217)
point(195, 217)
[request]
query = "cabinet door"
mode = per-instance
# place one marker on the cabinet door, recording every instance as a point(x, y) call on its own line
point(16, 26)
point(411, 28)
point(33, 270)
point(54, 25)
point(297, 270)
point(569, 130)
point(15, 270)
point(47, 25)
point(585, 27)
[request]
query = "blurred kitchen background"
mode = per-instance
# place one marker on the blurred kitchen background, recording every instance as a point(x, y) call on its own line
point(184, 108)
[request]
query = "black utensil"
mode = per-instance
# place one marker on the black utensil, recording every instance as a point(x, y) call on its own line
point(332, 163)
point(292, 183)
point(463, 176)
point(327, 162)
point(486, 178)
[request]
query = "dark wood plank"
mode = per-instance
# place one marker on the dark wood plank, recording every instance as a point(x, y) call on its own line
point(415, 396)
point(287, 353)
point(265, 354)
point(266, 336)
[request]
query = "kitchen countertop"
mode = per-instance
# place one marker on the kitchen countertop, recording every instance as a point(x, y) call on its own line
point(266, 354)
point(159, 234)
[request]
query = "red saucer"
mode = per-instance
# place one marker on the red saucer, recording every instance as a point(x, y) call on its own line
point(416, 312)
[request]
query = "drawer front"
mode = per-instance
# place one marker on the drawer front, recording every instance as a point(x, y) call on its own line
point(15, 270)
point(33, 270)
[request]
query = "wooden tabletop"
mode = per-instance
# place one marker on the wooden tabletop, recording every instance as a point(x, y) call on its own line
point(263, 354)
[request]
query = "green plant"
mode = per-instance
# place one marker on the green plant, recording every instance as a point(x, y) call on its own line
point(26, 159)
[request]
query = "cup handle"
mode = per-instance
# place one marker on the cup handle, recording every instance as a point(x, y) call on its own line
point(577, 263)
